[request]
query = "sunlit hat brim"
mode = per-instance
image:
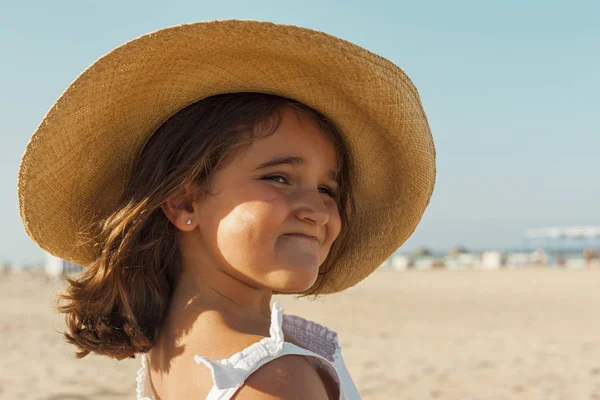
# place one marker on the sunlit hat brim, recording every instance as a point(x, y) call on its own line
point(76, 164)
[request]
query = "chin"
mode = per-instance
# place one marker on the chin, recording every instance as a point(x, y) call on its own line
point(295, 282)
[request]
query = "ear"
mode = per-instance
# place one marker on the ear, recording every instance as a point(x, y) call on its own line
point(179, 207)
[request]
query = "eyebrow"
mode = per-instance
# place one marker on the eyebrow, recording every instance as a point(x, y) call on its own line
point(293, 161)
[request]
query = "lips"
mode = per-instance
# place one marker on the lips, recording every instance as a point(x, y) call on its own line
point(302, 236)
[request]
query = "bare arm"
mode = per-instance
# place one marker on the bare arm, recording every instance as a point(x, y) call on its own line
point(289, 377)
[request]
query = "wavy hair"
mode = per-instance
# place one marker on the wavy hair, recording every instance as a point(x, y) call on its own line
point(116, 306)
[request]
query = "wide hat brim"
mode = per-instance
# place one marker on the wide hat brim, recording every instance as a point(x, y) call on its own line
point(76, 164)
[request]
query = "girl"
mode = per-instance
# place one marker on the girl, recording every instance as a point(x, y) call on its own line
point(200, 169)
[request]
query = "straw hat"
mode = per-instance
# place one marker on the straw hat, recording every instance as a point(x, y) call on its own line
point(75, 165)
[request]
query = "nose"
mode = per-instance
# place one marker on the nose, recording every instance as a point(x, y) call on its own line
point(311, 208)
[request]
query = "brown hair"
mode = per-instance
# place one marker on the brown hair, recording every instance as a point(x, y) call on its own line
point(117, 305)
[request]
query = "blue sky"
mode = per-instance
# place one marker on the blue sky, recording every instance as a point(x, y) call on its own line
point(511, 90)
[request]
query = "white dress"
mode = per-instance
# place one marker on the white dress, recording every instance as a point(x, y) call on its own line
point(229, 374)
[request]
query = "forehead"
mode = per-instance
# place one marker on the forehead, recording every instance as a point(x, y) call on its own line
point(297, 134)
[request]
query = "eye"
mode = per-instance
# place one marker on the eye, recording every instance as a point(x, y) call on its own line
point(328, 191)
point(277, 178)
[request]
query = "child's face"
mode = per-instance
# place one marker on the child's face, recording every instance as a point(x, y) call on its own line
point(271, 224)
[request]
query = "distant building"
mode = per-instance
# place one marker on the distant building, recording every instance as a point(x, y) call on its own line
point(56, 267)
point(461, 260)
point(571, 247)
point(517, 260)
point(399, 262)
point(492, 260)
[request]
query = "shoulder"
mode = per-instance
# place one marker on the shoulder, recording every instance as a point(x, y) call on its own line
point(287, 377)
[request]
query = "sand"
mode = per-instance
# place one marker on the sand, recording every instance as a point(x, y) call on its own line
point(510, 334)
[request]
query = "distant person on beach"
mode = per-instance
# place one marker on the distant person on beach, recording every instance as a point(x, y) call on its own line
point(590, 255)
point(197, 171)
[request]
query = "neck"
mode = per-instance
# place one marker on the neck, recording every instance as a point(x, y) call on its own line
point(203, 282)
point(219, 290)
point(204, 290)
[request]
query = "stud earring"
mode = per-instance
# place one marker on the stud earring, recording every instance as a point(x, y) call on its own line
point(188, 221)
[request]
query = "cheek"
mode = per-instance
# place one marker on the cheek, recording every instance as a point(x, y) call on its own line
point(247, 234)
point(334, 225)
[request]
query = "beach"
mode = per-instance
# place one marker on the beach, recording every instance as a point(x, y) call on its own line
point(530, 333)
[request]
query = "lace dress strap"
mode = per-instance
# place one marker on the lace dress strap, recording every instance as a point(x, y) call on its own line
point(230, 374)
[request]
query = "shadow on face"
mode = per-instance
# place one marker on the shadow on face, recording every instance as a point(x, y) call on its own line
point(272, 214)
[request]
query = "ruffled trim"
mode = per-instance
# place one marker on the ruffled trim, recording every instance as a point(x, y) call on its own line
point(233, 371)
point(314, 336)
point(142, 380)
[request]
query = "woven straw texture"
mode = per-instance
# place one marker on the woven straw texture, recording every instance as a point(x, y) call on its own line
point(76, 163)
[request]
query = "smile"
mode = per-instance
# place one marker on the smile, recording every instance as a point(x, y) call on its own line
point(301, 236)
